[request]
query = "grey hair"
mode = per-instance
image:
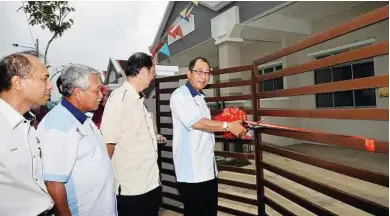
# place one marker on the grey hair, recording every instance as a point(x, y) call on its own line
point(75, 76)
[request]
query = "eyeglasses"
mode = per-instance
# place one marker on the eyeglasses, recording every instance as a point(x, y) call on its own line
point(200, 72)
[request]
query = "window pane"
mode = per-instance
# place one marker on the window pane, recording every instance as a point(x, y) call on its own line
point(268, 85)
point(261, 86)
point(365, 97)
point(278, 83)
point(342, 73)
point(343, 98)
point(324, 100)
point(268, 70)
point(260, 71)
point(279, 67)
point(323, 76)
point(363, 70)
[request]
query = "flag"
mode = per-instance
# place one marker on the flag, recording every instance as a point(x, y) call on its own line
point(178, 31)
point(156, 49)
point(196, 3)
point(174, 31)
point(183, 13)
point(171, 32)
point(188, 14)
point(165, 50)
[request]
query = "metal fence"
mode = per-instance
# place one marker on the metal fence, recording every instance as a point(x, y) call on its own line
point(362, 203)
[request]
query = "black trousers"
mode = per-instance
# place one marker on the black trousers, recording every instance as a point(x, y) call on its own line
point(146, 204)
point(199, 199)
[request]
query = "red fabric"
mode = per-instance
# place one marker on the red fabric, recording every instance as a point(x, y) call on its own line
point(104, 89)
point(232, 114)
point(97, 116)
point(179, 32)
point(370, 145)
point(171, 32)
point(156, 48)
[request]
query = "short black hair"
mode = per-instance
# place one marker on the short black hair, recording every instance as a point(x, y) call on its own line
point(59, 84)
point(193, 62)
point(12, 65)
point(136, 62)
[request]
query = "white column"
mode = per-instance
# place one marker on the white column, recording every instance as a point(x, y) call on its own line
point(229, 56)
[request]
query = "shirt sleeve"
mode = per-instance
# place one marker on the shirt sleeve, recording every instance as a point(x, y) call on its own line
point(59, 151)
point(111, 123)
point(185, 112)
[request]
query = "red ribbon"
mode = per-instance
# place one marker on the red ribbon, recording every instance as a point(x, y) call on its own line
point(369, 144)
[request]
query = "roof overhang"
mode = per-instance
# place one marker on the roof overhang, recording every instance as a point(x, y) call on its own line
point(215, 5)
point(161, 70)
point(167, 13)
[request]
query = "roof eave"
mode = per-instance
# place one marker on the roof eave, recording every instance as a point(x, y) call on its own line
point(163, 23)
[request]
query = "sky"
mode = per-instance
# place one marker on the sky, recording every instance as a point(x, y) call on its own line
point(101, 30)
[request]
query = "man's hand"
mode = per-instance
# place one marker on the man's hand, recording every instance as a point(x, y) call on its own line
point(161, 139)
point(58, 192)
point(236, 128)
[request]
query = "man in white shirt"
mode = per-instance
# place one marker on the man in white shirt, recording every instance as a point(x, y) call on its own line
point(128, 131)
point(76, 166)
point(193, 142)
point(24, 82)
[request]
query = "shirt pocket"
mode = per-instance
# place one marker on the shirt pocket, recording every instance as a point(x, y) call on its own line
point(17, 154)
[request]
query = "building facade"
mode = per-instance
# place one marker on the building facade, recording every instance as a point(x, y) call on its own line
point(235, 33)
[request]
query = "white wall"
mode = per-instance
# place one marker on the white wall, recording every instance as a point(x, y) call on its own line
point(251, 51)
point(373, 129)
point(380, 31)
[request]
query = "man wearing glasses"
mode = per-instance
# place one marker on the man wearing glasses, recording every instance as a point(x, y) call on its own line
point(129, 133)
point(76, 166)
point(193, 142)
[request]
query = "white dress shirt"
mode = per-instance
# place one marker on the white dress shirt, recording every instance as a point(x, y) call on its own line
point(193, 150)
point(74, 153)
point(22, 190)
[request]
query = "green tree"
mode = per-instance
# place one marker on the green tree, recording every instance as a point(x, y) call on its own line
point(51, 15)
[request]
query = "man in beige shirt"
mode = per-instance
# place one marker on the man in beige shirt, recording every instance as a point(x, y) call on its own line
point(128, 131)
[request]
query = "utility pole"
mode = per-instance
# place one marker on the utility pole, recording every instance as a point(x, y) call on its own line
point(37, 47)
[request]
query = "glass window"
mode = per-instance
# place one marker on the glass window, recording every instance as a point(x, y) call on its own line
point(343, 98)
point(342, 73)
point(323, 75)
point(352, 98)
point(363, 70)
point(324, 100)
point(272, 84)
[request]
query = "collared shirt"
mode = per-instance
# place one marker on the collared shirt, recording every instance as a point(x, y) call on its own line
point(193, 150)
point(74, 153)
point(128, 124)
point(22, 190)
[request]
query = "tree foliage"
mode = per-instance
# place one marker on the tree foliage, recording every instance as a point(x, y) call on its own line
point(51, 15)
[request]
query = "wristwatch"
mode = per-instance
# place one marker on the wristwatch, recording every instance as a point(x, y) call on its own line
point(225, 126)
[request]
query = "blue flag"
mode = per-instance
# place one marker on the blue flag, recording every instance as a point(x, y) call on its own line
point(165, 50)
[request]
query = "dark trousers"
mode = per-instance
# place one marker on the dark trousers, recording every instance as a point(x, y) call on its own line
point(199, 199)
point(146, 204)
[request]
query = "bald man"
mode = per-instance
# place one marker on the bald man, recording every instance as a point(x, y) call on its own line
point(24, 83)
